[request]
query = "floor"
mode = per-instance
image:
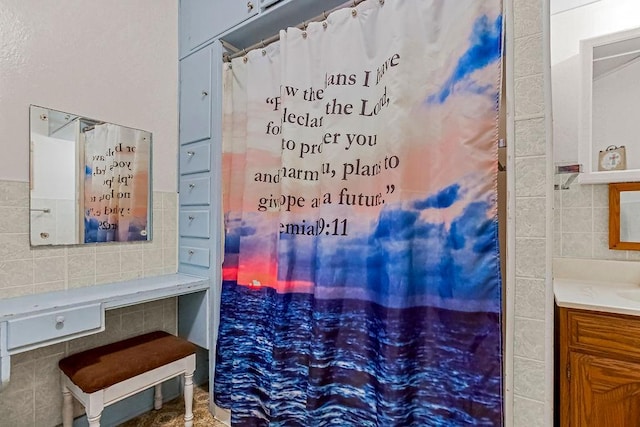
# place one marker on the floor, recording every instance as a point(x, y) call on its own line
point(172, 413)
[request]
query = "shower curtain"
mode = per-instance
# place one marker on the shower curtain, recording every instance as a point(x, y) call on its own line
point(361, 278)
point(116, 184)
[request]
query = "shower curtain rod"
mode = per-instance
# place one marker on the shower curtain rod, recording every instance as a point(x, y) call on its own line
point(226, 57)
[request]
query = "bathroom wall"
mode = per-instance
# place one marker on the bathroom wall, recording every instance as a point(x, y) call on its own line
point(567, 29)
point(116, 61)
point(581, 213)
point(33, 397)
point(532, 362)
point(581, 223)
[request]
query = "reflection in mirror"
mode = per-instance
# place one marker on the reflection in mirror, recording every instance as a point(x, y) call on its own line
point(629, 224)
point(90, 180)
point(624, 209)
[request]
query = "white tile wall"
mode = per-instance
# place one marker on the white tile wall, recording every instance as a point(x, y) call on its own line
point(581, 223)
point(529, 338)
point(530, 360)
point(33, 396)
point(530, 413)
point(527, 59)
point(529, 298)
point(529, 381)
point(527, 21)
point(530, 92)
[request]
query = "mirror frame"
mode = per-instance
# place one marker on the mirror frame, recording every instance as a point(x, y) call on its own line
point(614, 216)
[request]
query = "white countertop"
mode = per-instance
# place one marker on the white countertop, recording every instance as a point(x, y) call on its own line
point(111, 295)
point(600, 285)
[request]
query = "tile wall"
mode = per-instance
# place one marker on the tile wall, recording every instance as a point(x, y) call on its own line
point(33, 396)
point(581, 223)
point(531, 363)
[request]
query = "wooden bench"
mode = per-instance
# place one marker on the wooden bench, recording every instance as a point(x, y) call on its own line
point(104, 375)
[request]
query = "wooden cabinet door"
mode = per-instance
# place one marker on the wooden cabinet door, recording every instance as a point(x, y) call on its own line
point(604, 392)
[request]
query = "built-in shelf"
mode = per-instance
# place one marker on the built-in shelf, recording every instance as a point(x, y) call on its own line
point(605, 177)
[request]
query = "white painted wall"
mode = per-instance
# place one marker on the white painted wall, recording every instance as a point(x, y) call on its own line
point(567, 29)
point(113, 60)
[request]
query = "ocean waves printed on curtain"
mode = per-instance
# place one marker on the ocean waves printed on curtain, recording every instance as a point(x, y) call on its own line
point(361, 282)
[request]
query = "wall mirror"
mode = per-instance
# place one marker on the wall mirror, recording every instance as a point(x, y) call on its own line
point(624, 206)
point(90, 180)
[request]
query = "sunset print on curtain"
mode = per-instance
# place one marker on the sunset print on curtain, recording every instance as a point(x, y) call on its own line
point(361, 282)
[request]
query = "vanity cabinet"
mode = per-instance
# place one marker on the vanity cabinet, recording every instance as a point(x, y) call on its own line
point(598, 368)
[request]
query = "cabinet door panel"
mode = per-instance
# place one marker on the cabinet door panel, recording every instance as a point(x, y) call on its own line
point(195, 158)
point(604, 392)
point(194, 223)
point(195, 191)
point(201, 20)
point(195, 97)
point(615, 334)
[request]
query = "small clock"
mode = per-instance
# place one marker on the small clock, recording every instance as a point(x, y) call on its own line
point(613, 158)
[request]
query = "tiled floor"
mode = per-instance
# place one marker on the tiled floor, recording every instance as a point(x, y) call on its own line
point(172, 413)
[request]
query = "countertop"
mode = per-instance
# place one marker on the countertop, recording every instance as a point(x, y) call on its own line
point(600, 285)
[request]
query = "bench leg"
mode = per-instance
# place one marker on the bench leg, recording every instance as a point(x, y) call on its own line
point(188, 399)
point(93, 407)
point(94, 421)
point(157, 401)
point(67, 407)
